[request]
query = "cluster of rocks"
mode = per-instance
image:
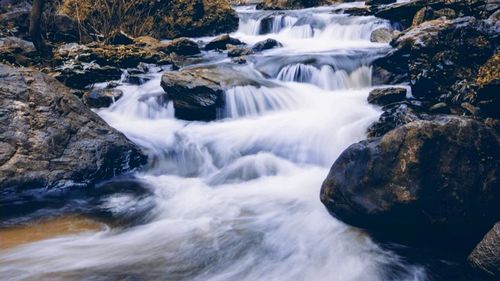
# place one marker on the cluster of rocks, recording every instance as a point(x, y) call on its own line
point(49, 137)
point(430, 167)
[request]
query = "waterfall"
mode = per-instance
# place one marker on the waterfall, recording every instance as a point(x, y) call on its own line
point(237, 198)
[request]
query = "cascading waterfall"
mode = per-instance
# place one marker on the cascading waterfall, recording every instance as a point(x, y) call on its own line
point(237, 198)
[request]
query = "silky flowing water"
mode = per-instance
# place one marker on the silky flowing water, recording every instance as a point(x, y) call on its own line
point(238, 198)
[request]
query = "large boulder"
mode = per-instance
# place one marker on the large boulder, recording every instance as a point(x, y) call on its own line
point(486, 255)
point(158, 18)
point(49, 139)
point(423, 182)
point(198, 93)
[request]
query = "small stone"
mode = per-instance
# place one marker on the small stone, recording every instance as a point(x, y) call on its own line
point(470, 108)
point(221, 42)
point(100, 98)
point(381, 35)
point(384, 96)
point(120, 38)
point(440, 108)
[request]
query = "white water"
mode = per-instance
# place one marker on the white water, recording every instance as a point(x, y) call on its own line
point(238, 199)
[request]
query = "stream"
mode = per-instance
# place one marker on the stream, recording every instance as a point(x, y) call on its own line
point(238, 198)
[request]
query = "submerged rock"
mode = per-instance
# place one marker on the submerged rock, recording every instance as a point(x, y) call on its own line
point(49, 139)
point(421, 182)
point(486, 255)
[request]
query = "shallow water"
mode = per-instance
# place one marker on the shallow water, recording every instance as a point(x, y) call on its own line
point(238, 198)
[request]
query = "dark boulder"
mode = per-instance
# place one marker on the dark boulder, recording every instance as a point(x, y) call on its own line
point(99, 98)
point(198, 93)
point(266, 45)
point(385, 96)
point(50, 139)
point(423, 182)
point(221, 42)
point(486, 255)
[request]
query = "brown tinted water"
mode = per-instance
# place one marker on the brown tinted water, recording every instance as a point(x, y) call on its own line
point(45, 229)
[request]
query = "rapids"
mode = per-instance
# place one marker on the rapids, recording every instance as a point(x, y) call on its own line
point(237, 199)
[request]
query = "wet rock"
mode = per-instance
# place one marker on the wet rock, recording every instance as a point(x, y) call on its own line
point(50, 139)
point(17, 51)
point(395, 116)
point(421, 183)
point(486, 255)
point(381, 35)
point(266, 45)
point(120, 38)
point(198, 93)
point(182, 46)
point(98, 98)
point(385, 96)
point(234, 51)
point(221, 42)
point(78, 75)
point(358, 11)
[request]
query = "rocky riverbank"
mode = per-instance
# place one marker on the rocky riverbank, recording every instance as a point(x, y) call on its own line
point(429, 174)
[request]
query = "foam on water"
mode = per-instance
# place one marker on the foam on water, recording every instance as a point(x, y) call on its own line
point(237, 199)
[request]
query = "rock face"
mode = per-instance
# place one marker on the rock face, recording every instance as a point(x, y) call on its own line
point(441, 60)
point(486, 255)
point(49, 139)
point(424, 180)
point(158, 18)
